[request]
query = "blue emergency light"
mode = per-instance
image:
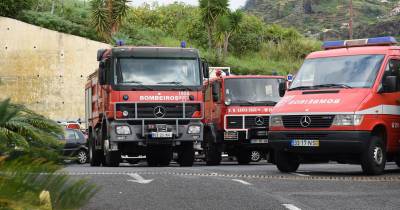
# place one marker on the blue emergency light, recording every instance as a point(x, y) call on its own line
point(377, 41)
point(120, 42)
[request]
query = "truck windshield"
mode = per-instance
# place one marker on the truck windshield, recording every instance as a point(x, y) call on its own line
point(358, 71)
point(252, 91)
point(158, 71)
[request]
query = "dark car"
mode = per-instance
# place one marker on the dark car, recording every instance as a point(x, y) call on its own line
point(75, 145)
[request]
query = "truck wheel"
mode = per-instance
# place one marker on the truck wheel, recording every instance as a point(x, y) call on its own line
point(256, 156)
point(373, 160)
point(95, 156)
point(213, 154)
point(151, 156)
point(243, 157)
point(186, 154)
point(286, 162)
point(164, 155)
point(113, 158)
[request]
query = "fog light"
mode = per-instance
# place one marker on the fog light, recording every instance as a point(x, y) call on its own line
point(194, 129)
point(123, 130)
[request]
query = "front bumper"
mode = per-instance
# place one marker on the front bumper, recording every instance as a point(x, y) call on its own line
point(141, 133)
point(330, 142)
point(252, 138)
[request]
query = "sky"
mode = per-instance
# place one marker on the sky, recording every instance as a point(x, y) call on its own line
point(234, 4)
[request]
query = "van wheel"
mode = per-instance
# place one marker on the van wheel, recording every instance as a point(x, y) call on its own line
point(373, 160)
point(113, 158)
point(186, 154)
point(286, 162)
point(243, 157)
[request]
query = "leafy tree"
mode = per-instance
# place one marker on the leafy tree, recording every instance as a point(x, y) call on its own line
point(227, 25)
point(107, 16)
point(211, 10)
point(12, 8)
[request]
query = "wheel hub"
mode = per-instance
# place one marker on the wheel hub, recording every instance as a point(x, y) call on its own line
point(82, 157)
point(255, 155)
point(378, 155)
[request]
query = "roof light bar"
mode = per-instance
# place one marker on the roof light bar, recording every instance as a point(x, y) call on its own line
point(378, 41)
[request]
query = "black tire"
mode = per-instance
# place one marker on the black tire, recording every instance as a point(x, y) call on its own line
point(95, 156)
point(165, 155)
point(243, 157)
point(255, 156)
point(133, 161)
point(152, 156)
point(186, 154)
point(373, 160)
point(398, 162)
point(286, 162)
point(212, 151)
point(113, 158)
point(82, 156)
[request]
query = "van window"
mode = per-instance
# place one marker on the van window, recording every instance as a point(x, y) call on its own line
point(393, 69)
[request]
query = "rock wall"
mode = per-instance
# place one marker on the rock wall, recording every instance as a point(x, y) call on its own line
point(45, 70)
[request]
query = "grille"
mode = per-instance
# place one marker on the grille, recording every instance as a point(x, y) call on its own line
point(172, 110)
point(317, 121)
point(306, 136)
point(251, 121)
point(234, 122)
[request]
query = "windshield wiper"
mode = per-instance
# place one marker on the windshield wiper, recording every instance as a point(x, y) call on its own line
point(333, 86)
point(178, 84)
point(272, 103)
point(139, 84)
point(172, 83)
point(244, 102)
point(301, 88)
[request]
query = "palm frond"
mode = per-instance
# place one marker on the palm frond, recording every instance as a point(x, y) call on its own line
point(99, 18)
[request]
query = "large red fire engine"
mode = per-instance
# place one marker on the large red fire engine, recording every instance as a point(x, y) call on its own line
point(342, 106)
point(237, 112)
point(145, 101)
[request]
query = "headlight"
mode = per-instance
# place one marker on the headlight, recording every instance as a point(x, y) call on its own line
point(194, 129)
point(228, 101)
point(276, 121)
point(123, 130)
point(347, 119)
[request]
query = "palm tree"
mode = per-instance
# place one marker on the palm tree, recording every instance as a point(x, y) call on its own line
point(107, 16)
point(211, 10)
point(227, 26)
point(22, 129)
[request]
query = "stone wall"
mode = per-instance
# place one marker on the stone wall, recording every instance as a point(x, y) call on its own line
point(45, 70)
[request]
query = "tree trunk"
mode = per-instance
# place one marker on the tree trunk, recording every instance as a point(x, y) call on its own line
point(307, 5)
point(53, 4)
point(209, 36)
point(226, 44)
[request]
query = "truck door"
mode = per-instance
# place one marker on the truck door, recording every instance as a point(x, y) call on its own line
point(216, 97)
point(391, 104)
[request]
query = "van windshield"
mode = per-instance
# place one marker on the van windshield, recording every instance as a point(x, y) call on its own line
point(158, 72)
point(358, 71)
point(259, 91)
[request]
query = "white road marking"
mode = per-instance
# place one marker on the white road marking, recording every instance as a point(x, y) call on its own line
point(298, 174)
point(241, 181)
point(291, 207)
point(139, 179)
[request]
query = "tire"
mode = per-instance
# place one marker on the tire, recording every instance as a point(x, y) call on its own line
point(133, 161)
point(373, 160)
point(151, 156)
point(212, 151)
point(286, 162)
point(113, 158)
point(398, 162)
point(186, 154)
point(95, 156)
point(243, 157)
point(255, 156)
point(82, 156)
point(165, 155)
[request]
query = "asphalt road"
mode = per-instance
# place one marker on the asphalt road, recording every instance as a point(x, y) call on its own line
point(230, 186)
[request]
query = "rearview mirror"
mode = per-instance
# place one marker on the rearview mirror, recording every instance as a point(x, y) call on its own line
point(206, 73)
point(102, 73)
point(100, 54)
point(389, 84)
point(282, 88)
point(215, 91)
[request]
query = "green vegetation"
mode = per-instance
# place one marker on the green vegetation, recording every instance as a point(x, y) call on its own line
point(28, 149)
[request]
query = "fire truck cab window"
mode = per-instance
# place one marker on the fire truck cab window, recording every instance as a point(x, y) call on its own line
point(393, 69)
point(158, 71)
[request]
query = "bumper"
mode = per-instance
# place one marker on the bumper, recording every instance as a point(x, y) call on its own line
point(140, 132)
point(330, 142)
point(253, 138)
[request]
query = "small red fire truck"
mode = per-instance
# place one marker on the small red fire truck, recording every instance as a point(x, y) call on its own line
point(145, 101)
point(343, 105)
point(237, 112)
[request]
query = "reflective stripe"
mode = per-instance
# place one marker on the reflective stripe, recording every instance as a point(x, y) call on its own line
point(381, 109)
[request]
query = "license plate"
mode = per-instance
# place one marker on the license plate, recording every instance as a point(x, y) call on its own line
point(161, 134)
point(231, 135)
point(304, 143)
point(259, 141)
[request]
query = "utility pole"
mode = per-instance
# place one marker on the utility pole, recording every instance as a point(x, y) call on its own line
point(351, 20)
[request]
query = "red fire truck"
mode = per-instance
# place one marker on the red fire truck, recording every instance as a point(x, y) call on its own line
point(237, 112)
point(145, 101)
point(343, 105)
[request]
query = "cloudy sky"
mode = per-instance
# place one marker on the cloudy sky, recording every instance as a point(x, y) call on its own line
point(234, 4)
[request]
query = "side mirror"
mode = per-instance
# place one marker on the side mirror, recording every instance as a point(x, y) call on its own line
point(389, 84)
point(282, 88)
point(206, 72)
point(102, 73)
point(100, 54)
point(215, 92)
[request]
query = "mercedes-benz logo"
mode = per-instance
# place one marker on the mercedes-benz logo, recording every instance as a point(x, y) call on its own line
point(305, 121)
point(259, 121)
point(159, 112)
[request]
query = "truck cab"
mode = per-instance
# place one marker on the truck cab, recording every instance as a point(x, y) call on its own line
point(145, 101)
point(343, 106)
point(237, 110)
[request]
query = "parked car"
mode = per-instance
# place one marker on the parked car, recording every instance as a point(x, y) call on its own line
point(75, 145)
